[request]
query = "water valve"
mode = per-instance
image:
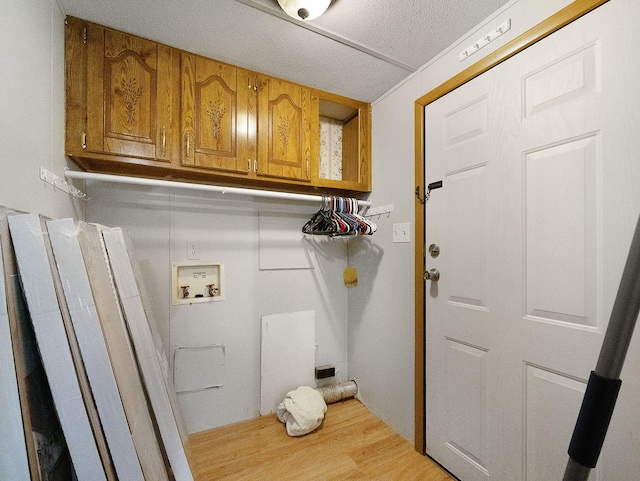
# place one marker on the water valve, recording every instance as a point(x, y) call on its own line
point(213, 290)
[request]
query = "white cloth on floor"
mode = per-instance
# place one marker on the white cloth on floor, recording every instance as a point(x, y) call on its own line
point(302, 410)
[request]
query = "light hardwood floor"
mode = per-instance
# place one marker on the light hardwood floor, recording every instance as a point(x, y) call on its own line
point(351, 444)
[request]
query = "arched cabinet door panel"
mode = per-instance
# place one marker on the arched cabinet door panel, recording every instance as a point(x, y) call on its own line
point(215, 99)
point(130, 95)
point(284, 129)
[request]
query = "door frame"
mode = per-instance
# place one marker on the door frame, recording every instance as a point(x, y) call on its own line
point(545, 28)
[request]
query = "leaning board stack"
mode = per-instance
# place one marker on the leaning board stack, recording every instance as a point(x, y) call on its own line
point(83, 391)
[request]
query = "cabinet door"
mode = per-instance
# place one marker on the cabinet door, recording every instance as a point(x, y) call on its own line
point(129, 95)
point(284, 129)
point(214, 115)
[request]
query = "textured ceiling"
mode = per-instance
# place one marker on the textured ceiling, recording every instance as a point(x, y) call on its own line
point(358, 48)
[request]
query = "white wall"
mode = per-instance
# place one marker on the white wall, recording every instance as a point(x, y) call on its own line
point(32, 107)
point(381, 316)
point(381, 310)
point(228, 231)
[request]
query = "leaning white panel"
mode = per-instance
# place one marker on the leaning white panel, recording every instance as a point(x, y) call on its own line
point(39, 291)
point(287, 356)
point(150, 366)
point(86, 324)
point(125, 367)
point(13, 454)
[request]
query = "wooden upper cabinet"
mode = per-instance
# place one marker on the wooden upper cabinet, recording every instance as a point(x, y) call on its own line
point(130, 95)
point(215, 100)
point(284, 129)
point(137, 107)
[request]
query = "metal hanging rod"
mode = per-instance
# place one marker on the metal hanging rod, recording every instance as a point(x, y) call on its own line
point(121, 179)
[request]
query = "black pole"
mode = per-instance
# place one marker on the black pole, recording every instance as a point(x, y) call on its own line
point(604, 383)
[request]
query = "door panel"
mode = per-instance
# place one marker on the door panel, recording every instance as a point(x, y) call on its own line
point(559, 211)
point(466, 123)
point(551, 401)
point(561, 81)
point(467, 269)
point(467, 379)
point(540, 168)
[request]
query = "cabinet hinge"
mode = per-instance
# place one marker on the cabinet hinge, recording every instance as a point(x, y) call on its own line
point(84, 140)
point(84, 35)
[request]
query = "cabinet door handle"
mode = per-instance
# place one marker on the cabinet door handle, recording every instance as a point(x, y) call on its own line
point(164, 140)
point(249, 82)
point(255, 85)
point(248, 165)
point(307, 166)
point(255, 165)
point(83, 140)
point(188, 145)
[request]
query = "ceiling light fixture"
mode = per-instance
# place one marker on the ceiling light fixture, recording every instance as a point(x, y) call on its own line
point(304, 9)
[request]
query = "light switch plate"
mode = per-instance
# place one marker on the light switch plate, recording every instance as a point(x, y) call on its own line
point(402, 232)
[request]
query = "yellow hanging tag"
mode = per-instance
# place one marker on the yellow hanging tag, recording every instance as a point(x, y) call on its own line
point(350, 275)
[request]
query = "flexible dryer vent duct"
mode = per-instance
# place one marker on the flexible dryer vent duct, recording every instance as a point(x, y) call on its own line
point(337, 392)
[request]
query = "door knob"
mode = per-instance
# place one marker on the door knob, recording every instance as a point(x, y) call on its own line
point(432, 275)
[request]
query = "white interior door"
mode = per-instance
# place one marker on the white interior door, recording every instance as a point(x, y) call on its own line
point(540, 163)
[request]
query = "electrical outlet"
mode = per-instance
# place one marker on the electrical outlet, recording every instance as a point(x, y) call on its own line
point(193, 250)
